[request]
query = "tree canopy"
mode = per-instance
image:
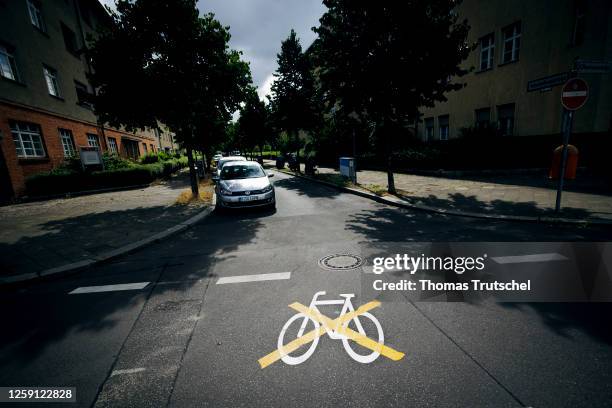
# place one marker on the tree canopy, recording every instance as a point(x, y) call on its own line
point(384, 60)
point(293, 90)
point(159, 60)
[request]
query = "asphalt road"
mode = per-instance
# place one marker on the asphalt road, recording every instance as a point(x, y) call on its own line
point(184, 340)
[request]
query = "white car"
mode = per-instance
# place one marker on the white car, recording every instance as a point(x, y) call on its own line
point(224, 160)
point(244, 184)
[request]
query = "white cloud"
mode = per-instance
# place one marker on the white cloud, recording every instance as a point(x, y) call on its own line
point(109, 3)
point(265, 88)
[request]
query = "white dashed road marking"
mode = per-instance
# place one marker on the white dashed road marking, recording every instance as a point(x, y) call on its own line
point(254, 278)
point(127, 371)
point(529, 258)
point(109, 288)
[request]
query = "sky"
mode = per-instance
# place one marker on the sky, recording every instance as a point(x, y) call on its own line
point(258, 27)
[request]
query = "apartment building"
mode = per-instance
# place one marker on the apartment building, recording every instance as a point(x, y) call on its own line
point(519, 41)
point(45, 109)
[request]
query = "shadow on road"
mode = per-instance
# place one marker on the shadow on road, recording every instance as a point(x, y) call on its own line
point(307, 188)
point(37, 316)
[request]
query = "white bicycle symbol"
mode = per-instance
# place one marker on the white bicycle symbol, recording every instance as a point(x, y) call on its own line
point(346, 308)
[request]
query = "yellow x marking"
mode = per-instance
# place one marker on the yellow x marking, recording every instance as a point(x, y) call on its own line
point(336, 325)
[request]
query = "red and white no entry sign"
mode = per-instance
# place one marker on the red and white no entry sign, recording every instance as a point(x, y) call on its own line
point(574, 94)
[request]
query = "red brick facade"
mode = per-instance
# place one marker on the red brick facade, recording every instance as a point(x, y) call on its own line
point(20, 168)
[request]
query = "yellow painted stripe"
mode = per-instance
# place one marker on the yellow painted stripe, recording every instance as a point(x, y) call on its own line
point(351, 334)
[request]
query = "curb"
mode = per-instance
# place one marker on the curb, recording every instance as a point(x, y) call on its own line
point(403, 203)
point(106, 256)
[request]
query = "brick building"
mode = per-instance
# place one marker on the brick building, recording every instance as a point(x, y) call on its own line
point(45, 113)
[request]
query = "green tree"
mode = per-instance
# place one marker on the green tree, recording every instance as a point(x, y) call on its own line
point(384, 60)
point(293, 91)
point(159, 60)
point(253, 122)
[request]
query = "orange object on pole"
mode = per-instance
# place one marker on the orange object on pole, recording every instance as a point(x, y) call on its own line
point(571, 166)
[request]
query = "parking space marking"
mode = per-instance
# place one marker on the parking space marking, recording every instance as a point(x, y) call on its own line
point(529, 258)
point(109, 288)
point(254, 278)
point(127, 371)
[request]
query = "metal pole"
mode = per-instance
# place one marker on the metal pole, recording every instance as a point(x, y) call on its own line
point(354, 158)
point(568, 117)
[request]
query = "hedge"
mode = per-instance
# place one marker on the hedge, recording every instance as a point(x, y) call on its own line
point(65, 181)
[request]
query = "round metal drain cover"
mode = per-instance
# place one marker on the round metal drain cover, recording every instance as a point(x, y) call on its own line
point(340, 262)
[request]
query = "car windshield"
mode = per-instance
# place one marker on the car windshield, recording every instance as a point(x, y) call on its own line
point(241, 171)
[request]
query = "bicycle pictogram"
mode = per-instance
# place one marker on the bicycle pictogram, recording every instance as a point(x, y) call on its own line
point(336, 329)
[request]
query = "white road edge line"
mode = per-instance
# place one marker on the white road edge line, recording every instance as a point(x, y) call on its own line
point(529, 258)
point(127, 371)
point(109, 288)
point(254, 278)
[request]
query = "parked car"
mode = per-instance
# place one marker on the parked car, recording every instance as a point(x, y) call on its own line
point(244, 184)
point(216, 158)
point(224, 160)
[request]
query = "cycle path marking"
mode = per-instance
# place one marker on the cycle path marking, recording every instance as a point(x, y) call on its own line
point(334, 325)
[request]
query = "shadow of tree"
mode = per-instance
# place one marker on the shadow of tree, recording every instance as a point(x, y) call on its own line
point(592, 319)
point(72, 239)
point(307, 188)
point(471, 203)
point(37, 316)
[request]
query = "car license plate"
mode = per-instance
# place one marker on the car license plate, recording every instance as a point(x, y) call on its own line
point(248, 198)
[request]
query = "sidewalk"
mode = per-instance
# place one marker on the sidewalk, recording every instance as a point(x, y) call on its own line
point(520, 195)
point(37, 236)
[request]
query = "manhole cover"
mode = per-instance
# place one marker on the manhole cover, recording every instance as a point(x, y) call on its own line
point(340, 262)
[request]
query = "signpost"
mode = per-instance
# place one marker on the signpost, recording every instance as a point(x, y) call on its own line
point(574, 95)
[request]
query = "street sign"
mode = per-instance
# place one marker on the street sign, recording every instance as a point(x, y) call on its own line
point(547, 82)
point(90, 156)
point(592, 66)
point(574, 94)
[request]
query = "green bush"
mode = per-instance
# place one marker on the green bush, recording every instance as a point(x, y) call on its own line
point(63, 180)
point(114, 162)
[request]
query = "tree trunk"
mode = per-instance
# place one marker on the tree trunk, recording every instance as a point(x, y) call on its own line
point(193, 175)
point(390, 179)
point(297, 153)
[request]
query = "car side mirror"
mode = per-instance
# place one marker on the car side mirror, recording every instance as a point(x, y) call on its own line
point(215, 177)
point(270, 174)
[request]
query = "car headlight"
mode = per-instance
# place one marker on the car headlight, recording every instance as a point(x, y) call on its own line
point(266, 189)
point(225, 192)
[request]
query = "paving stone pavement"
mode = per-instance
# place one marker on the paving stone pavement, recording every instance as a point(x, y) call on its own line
point(519, 195)
point(40, 235)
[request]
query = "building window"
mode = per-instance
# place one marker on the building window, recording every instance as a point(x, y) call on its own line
point(429, 129)
point(487, 48)
point(67, 142)
point(131, 148)
point(92, 140)
point(36, 17)
point(511, 42)
point(52, 82)
point(83, 95)
point(144, 145)
point(579, 22)
point(505, 119)
point(483, 118)
point(27, 138)
point(443, 127)
point(8, 67)
point(112, 145)
point(152, 148)
point(70, 39)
